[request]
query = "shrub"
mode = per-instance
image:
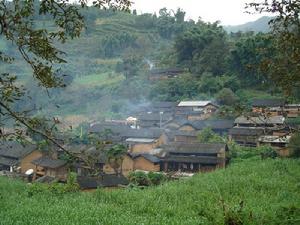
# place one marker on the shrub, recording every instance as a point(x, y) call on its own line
point(227, 97)
point(240, 152)
point(294, 145)
point(36, 188)
point(208, 136)
point(71, 185)
point(156, 178)
point(139, 178)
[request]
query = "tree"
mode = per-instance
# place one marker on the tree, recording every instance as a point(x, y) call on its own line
point(294, 145)
point(36, 47)
point(209, 84)
point(226, 97)
point(284, 67)
point(115, 157)
point(208, 136)
point(202, 48)
point(247, 55)
point(179, 15)
point(131, 64)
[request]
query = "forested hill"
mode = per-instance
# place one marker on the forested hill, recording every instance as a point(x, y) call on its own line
point(259, 25)
point(108, 67)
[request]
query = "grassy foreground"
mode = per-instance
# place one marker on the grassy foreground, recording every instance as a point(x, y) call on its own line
point(253, 192)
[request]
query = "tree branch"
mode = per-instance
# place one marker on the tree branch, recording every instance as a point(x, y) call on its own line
point(25, 123)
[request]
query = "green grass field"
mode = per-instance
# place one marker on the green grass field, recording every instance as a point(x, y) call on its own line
point(253, 192)
point(98, 80)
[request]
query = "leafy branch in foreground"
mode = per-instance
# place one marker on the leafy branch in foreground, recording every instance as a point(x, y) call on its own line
point(36, 47)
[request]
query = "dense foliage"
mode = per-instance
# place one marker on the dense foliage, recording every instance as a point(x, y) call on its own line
point(142, 178)
point(253, 192)
point(294, 145)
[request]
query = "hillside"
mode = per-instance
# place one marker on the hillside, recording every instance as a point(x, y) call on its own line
point(253, 192)
point(108, 66)
point(259, 25)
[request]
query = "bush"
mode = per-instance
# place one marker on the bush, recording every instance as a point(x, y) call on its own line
point(294, 145)
point(55, 188)
point(240, 152)
point(71, 185)
point(208, 136)
point(156, 178)
point(227, 97)
point(139, 178)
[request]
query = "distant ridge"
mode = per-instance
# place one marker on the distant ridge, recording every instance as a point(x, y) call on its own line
point(259, 25)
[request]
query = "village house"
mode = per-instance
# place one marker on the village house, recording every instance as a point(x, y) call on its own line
point(164, 74)
point(246, 136)
point(89, 159)
point(272, 107)
point(16, 157)
point(146, 162)
point(132, 162)
point(109, 131)
point(193, 157)
point(271, 122)
point(153, 119)
point(196, 110)
point(218, 126)
point(119, 133)
point(49, 167)
point(141, 145)
point(292, 110)
point(279, 143)
point(180, 136)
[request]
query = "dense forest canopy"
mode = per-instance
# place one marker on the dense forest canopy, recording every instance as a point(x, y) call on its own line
point(105, 72)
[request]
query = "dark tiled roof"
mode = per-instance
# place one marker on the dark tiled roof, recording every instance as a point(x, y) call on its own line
point(15, 150)
point(195, 147)
point(150, 158)
point(246, 131)
point(8, 161)
point(194, 159)
point(143, 133)
point(49, 163)
point(172, 133)
point(213, 124)
point(155, 116)
point(125, 132)
point(268, 102)
point(90, 151)
point(177, 121)
point(260, 120)
point(106, 180)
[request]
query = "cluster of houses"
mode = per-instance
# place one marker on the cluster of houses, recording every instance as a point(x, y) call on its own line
point(161, 137)
point(266, 125)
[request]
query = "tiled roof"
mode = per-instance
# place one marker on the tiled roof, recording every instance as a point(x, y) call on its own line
point(268, 102)
point(49, 163)
point(195, 147)
point(246, 131)
point(260, 120)
point(15, 150)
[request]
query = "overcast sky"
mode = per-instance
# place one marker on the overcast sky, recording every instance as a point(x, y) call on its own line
point(229, 12)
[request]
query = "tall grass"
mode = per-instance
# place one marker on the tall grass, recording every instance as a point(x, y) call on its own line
point(250, 192)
